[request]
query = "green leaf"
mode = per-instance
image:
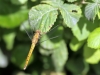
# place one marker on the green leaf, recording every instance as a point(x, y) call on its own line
point(47, 63)
point(71, 14)
point(50, 72)
point(33, 0)
point(71, 0)
point(19, 2)
point(42, 17)
point(97, 1)
point(91, 10)
point(20, 73)
point(81, 34)
point(77, 66)
point(3, 60)
point(11, 15)
point(25, 26)
point(35, 72)
point(94, 39)
point(50, 44)
point(75, 45)
point(47, 43)
point(19, 55)
point(13, 20)
point(99, 14)
point(91, 56)
point(45, 51)
point(9, 40)
point(83, 29)
point(60, 56)
point(54, 3)
point(96, 68)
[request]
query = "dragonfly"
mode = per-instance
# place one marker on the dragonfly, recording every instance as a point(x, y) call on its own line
point(34, 40)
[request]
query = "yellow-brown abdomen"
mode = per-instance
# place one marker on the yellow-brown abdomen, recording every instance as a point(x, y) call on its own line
point(34, 41)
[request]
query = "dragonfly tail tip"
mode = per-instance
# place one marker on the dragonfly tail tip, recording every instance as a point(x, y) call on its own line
point(24, 68)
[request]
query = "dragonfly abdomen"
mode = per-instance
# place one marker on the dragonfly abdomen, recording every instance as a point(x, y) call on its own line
point(34, 41)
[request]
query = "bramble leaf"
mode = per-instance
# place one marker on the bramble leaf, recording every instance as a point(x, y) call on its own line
point(3, 60)
point(71, 0)
point(60, 56)
point(54, 3)
point(77, 66)
point(42, 17)
point(13, 20)
point(97, 1)
point(9, 40)
point(45, 52)
point(96, 68)
point(99, 14)
point(11, 15)
point(75, 44)
point(19, 2)
point(83, 29)
point(94, 39)
point(71, 14)
point(91, 55)
point(91, 10)
point(50, 44)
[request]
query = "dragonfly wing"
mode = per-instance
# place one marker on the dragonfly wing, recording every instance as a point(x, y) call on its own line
point(27, 28)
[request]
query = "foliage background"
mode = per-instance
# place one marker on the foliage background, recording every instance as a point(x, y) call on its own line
point(74, 52)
